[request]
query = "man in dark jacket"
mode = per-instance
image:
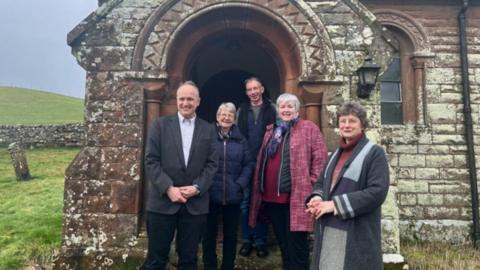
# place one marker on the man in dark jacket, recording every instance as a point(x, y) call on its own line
point(253, 118)
point(180, 162)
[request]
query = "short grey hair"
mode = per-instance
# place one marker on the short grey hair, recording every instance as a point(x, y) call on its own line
point(288, 98)
point(227, 106)
point(353, 108)
point(191, 83)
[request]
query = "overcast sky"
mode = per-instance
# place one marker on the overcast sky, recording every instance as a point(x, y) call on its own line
point(33, 44)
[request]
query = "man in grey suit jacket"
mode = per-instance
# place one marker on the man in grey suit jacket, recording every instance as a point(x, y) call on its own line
point(180, 163)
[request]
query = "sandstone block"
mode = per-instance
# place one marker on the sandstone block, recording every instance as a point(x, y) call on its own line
point(411, 160)
point(451, 98)
point(106, 58)
point(448, 139)
point(442, 76)
point(439, 161)
point(449, 187)
point(447, 60)
point(86, 165)
point(405, 173)
point(409, 212)
point(407, 199)
point(460, 161)
point(101, 231)
point(430, 199)
point(454, 174)
point(442, 212)
point(450, 231)
point(92, 196)
point(442, 113)
point(124, 197)
point(427, 173)
point(458, 149)
point(433, 149)
point(409, 186)
point(445, 129)
point(403, 149)
point(456, 200)
point(114, 134)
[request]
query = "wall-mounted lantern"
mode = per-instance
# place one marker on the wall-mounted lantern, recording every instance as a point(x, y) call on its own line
point(367, 77)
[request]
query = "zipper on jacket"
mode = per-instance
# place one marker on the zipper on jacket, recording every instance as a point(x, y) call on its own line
point(224, 172)
point(281, 163)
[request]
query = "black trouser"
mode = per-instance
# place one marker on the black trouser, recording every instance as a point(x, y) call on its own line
point(293, 245)
point(230, 216)
point(161, 230)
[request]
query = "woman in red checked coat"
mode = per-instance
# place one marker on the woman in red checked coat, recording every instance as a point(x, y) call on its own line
point(292, 155)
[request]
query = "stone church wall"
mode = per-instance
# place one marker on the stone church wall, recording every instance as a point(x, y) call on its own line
point(430, 161)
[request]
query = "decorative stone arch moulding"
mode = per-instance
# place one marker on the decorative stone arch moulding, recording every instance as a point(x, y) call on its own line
point(420, 55)
point(303, 25)
point(409, 26)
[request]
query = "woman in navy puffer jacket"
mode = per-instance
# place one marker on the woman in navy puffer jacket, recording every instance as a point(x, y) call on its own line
point(234, 172)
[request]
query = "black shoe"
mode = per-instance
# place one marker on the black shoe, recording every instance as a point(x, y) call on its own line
point(246, 249)
point(262, 251)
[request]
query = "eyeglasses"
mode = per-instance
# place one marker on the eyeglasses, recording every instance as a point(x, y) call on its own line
point(227, 115)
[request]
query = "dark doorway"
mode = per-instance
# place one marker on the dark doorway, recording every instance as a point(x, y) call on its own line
point(220, 63)
point(225, 86)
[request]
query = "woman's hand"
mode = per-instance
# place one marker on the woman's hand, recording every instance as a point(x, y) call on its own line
point(317, 207)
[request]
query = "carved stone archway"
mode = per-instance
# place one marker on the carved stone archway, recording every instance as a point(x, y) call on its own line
point(297, 36)
point(298, 19)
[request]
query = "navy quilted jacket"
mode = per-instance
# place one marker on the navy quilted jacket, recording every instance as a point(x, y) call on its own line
point(235, 168)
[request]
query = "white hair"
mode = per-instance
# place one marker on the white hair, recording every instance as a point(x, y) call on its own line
point(289, 98)
point(227, 106)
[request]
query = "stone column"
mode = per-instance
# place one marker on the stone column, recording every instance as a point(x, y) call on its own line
point(317, 96)
point(155, 92)
point(418, 64)
point(313, 107)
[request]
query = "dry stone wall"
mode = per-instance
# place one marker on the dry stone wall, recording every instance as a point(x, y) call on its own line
point(43, 135)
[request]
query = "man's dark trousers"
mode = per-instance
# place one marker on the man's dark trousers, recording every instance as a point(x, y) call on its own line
point(161, 227)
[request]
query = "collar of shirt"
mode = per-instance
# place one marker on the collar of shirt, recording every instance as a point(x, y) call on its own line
point(181, 118)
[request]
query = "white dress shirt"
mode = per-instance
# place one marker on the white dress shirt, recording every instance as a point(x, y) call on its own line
point(187, 125)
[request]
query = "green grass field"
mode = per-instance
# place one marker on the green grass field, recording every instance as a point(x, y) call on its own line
point(25, 106)
point(31, 212)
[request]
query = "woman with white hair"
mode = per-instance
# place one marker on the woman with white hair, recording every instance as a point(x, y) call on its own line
point(235, 166)
point(291, 157)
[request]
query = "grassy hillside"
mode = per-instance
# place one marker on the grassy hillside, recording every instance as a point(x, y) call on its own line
point(25, 106)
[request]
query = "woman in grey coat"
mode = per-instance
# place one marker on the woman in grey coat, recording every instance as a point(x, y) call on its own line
point(347, 199)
